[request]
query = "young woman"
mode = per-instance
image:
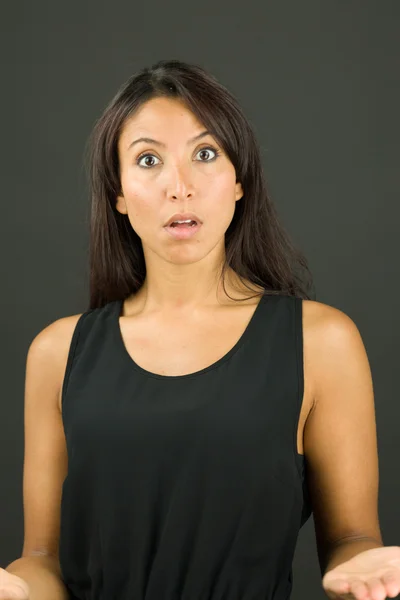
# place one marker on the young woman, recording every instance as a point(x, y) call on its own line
point(182, 429)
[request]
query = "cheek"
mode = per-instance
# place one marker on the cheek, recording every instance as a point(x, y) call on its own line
point(221, 193)
point(224, 183)
point(139, 198)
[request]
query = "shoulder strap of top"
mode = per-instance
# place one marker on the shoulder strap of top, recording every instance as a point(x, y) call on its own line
point(72, 349)
point(298, 330)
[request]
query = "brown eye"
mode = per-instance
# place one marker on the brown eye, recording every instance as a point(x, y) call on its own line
point(145, 156)
point(206, 151)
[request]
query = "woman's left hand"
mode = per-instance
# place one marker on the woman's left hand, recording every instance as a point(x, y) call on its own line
point(370, 575)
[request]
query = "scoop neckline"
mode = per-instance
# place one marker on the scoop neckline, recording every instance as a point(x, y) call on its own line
point(136, 367)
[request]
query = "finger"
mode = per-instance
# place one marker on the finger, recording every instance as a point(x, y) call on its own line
point(376, 589)
point(392, 583)
point(331, 595)
point(359, 590)
point(336, 587)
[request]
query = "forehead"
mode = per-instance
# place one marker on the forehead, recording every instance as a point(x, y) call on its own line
point(159, 118)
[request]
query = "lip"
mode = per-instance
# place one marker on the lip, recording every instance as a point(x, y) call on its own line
point(183, 233)
point(183, 217)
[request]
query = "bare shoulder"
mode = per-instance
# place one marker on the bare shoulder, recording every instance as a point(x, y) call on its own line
point(320, 320)
point(328, 332)
point(51, 348)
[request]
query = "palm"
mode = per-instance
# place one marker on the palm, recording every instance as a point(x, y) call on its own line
point(12, 587)
point(370, 575)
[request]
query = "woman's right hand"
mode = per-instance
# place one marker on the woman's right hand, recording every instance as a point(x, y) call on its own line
point(12, 587)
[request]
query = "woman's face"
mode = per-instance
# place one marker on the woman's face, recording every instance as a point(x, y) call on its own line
point(176, 175)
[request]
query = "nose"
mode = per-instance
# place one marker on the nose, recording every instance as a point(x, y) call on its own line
point(179, 184)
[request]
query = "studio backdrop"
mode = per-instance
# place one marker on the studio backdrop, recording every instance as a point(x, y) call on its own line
point(319, 83)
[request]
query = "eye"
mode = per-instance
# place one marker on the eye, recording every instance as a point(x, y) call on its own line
point(207, 149)
point(142, 156)
point(148, 155)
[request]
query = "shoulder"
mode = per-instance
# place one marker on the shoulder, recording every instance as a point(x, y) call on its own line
point(49, 349)
point(327, 323)
point(332, 340)
point(55, 337)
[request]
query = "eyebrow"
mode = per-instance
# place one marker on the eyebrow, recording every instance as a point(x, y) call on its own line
point(151, 141)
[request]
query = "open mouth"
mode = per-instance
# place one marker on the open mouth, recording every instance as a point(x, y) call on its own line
point(185, 224)
point(183, 231)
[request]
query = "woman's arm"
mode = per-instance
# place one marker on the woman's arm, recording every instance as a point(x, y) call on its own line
point(340, 441)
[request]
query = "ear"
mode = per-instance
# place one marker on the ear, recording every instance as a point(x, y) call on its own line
point(121, 205)
point(239, 191)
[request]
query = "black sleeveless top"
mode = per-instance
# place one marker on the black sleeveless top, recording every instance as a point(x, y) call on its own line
point(185, 487)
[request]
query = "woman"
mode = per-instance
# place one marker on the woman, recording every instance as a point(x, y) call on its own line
point(206, 405)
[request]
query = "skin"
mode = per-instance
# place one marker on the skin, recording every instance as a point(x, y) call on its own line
point(181, 275)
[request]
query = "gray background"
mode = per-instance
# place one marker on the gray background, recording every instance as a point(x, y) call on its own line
point(319, 81)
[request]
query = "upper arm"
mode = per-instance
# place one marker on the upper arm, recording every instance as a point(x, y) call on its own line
point(45, 454)
point(340, 441)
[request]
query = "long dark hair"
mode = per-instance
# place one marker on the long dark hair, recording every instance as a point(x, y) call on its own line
point(257, 247)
